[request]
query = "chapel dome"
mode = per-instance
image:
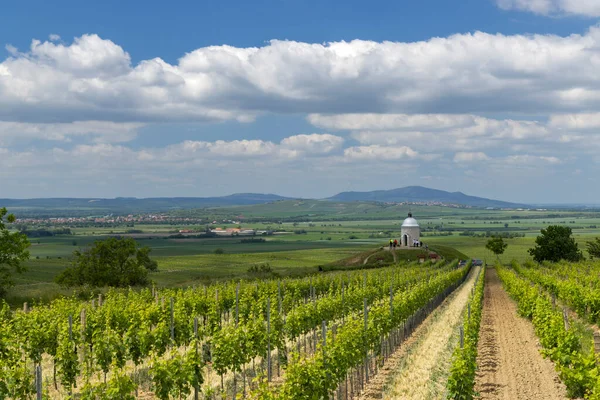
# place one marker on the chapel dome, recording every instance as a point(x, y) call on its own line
point(410, 222)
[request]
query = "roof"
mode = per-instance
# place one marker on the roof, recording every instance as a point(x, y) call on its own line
point(410, 222)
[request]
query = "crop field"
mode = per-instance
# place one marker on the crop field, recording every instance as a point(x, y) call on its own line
point(219, 337)
point(185, 262)
point(433, 330)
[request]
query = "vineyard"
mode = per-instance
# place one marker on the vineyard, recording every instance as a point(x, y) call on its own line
point(567, 337)
point(313, 337)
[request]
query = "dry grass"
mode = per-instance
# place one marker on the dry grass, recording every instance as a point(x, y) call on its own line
point(424, 370)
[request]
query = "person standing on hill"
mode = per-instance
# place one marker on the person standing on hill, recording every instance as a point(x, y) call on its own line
point(395, 243)
point(391, 243)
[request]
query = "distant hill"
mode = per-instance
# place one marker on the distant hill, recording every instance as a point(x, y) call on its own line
point(422, 194)
point(134, 205)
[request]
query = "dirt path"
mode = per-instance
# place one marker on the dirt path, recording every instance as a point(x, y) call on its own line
point(510, 364)
point(419, 370)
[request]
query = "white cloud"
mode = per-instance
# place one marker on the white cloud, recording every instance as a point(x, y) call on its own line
point(100, 131)
point(313, 143)
point(576, 122)
point(528, 159)
point(409, 122)
point(54, 37)
point(589, 8)
point(377, 152)
point(464, 157)
point(94, 79)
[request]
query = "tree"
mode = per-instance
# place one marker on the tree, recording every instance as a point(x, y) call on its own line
point(555, 244)
point(593, 248)
point(13, 251)
point(114, 261)
point(496, 245)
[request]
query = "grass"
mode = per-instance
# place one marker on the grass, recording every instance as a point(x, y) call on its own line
point(346, 231)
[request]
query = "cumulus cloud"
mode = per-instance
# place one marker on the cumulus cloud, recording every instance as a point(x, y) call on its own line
point(437, 132)
point(99, 131)
point(313, 143)
point(288, 149)
point(465, 157)
point(94, 79)
point(377, 152)
point(577, 122)
point(567, 133)
point(589, 8)
point(530, 159)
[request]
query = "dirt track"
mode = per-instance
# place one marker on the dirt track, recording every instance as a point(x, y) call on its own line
point(420, 368)
point(510, 364)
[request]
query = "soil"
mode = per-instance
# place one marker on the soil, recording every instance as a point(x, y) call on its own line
point(510, 364)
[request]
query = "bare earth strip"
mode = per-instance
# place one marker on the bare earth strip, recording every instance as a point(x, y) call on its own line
point(419, 370)
point(509, 359)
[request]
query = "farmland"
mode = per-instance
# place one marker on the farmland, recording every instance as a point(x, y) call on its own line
point(184, 262)
point(282, 301)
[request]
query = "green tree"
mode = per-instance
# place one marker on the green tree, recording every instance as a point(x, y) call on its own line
point(13, 251)
point(116, 262)
point(593, 248)
point(496, 245)
point(555, 244)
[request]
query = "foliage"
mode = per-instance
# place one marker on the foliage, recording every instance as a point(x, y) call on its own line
point(175, 376)
point(576, 366)
point(114, 261)
point(555, 244)
point(461, 381)
point(119, 387)
point(13, 251)
point(134, 326)
point(496, 245)
point(593, 248)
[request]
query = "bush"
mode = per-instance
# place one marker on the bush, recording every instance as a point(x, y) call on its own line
point(111, 262)
point(262, 269)
point(219, 251)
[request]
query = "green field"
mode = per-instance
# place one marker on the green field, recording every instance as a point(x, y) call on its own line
point(184, 262)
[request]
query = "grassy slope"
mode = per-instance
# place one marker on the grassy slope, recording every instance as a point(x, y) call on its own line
point(188, 261)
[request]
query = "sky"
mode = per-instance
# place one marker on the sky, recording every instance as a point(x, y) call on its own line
point(302, 98)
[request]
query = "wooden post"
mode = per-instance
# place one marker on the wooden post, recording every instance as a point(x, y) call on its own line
point(25, 308)
point(268, 339)
point(462, 337)
point(566, 319)
point(597, 345)
point(553, 300)
point(324, 334)
point(469, 311)
point(70, 327)
point(100, 300)
point(391, 300)
point(83, 321)
point(237, 304)
point(38, 382)
point(172, 319)
point(366, 314)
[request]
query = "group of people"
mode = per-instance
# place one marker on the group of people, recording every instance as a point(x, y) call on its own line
point(415, 243)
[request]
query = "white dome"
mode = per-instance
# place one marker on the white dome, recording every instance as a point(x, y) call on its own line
point(410, 222)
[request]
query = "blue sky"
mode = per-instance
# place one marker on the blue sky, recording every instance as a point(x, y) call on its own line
point(497, 98)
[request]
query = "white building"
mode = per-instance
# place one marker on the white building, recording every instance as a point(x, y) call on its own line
point(410, 231)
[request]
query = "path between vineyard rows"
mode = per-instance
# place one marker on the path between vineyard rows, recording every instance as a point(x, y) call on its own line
point(509, 359)
point(419, 370)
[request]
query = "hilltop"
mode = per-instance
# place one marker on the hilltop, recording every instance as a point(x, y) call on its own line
point(424, 195)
